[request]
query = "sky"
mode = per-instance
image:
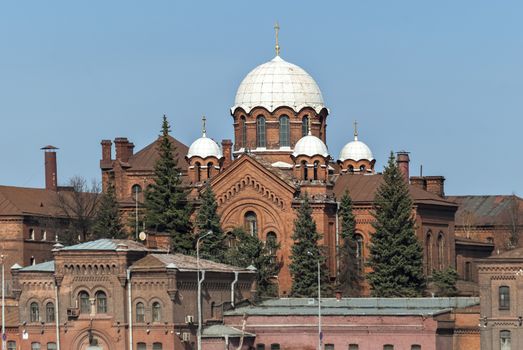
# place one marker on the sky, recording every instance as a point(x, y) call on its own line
point(440, 79)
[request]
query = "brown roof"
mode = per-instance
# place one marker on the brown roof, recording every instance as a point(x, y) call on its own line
point(183, 262)
point(146, 158)
point(488, 210)
point(510, 254)
point(362, 188)
point(27, 201)
point(285, 175)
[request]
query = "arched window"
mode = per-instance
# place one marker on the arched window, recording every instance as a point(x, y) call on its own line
point(157, 312)
point(157, 346)
point(197, 170)
point(230, 240)
point(44, 235)
point(261, 140)
point(388, 347)
point(31, 234)
point(141, 346)
point(35, 346)
point(351, 169)
point(490, 240)
point(243, 130)
point(304, 170)
point(284, 131)
point(415, 347)
point(354, 347)
point(362, 168)
point(140, 312)
point(441, 251)
point(504, 298)
point(504, 340)
point(209, 170)
point(305, 126)
point(251, 223)
point(101, 303)
point(468, 271)
point(51, 346)
point(271, 243)
point(136, 190)
point(428, 250)
point(85, 304)
point(316, 166)
point(11, 345)
point(49, 312)
point(34, 312)
point(275, 346)
point(359, 251)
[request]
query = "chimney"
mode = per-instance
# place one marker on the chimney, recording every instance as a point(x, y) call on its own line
point(106, 150)
point(418, 181)
point(122, 149)
point(130, 150)
point(435, 184)
point(51, 180)
point(227, 153)
point(402, 159)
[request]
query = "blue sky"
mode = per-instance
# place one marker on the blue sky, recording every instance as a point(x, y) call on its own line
point(441, 79)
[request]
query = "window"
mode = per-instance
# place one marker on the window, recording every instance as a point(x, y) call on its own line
point(329, 346)
point(11, 345)
point(305, 126)
point(31, 234)
point(468, 271)
point(428, 249)
point(197, 169)
point(362, 168)
point(359, 251)
point(34, 311)
point(157, 312)
point(504, 298)
point(140, 313)
point(351, 168)
point(141, 346)
point(209, 170)
point(321, 129)
point(304, 170)
point(51, 346)
point(275, 346)
point(415, 347)
point(44, 235)
point(354, 347)
point(35, 346)
point(260, 346)
point(32, 261)
point(505, 341)
point(251, 223)
point(157, 346)
point(388, 347)
point(441, 251)
point(316, 166)
point(85, 304)
point(271, 243)
point(49, 312)
point(101, 302)
point(284, 132)
point(260, 132)
point(243, 128)
point(136, 190)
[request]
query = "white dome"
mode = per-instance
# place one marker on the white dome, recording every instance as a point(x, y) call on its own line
point(310, 146)
point(204, 147)
point(278, 83)
point(356, 150)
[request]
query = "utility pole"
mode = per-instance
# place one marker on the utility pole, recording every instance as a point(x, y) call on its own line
point(200, 280)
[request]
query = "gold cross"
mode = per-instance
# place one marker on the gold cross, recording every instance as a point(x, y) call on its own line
point(203, 125)
point(355, 130)
point(277, 29)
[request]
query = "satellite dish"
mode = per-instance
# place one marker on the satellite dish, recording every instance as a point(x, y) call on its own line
point(142, 236)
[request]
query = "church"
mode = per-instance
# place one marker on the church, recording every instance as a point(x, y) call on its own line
point(278, 153)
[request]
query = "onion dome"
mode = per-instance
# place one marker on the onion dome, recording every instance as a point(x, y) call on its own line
point(356, 150)
point(278, 83)
point(310, 146)
point(204, 147)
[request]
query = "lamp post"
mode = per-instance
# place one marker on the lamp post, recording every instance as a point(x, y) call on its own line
point(4, 338)
point(319, 301)
point(200, 280)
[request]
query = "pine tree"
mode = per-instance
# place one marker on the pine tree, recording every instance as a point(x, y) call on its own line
point(166, 205)
point(107, 222)
point(396, 255)
point(213, 246)
point(250, 250)
point(445, 282)
point(305, 254)
point(349, 278)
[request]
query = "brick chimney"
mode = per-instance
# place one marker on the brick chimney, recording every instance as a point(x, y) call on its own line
point(51, 179)
point(106, 150)
point(122, 146)
point(227, 153)
point(435, 184)
point(418, 181)
point(402, 159)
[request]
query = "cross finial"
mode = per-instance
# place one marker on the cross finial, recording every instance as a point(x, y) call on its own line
point(309, 120)
point(277, 30)
point(355, 130)
point(204, 131)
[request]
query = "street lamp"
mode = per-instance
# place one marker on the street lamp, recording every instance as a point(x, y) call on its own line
point(319, 300)
point(200, 280)
point(4, 337)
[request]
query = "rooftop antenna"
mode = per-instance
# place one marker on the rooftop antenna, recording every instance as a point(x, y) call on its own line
point(421, 170)
point(277, 29)
point(204, 131)
point(355, 130)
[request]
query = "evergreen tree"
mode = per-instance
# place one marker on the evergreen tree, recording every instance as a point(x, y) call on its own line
point(445, 282)
point(305, 254)
point(349, 278)
point(107, 222)
point(166, 205)
point(396, 255)
point(213, 246)
point(250, 250)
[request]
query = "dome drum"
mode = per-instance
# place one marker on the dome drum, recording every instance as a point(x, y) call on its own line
point(311, 168)
point(362, 166)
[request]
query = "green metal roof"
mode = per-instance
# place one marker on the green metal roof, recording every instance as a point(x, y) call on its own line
point(108, 245)
point(356, 306)
point(47, 266)
point(220, 331)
